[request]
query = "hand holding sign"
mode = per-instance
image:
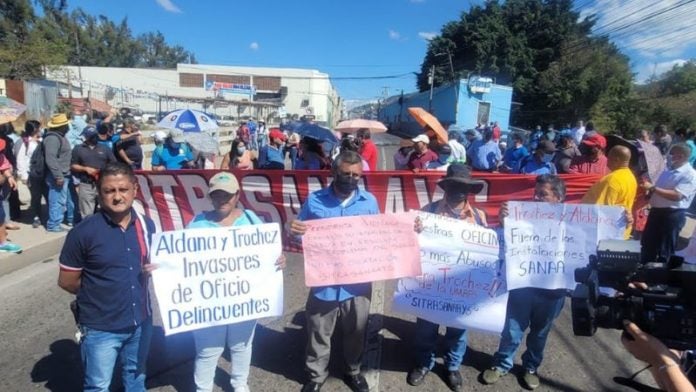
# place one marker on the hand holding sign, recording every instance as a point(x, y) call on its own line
point(217, 276)
point(545, 243)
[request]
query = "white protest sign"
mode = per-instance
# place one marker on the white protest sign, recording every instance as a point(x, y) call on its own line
point(460, 286)
point(217, 276)
point(545, 243)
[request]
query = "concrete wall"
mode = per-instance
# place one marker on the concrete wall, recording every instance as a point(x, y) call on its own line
point(142, 88)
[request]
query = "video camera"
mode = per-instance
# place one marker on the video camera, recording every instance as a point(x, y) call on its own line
point(666, 309)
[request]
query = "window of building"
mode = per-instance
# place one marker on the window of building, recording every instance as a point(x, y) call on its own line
point(191, 80)
point(484, 112)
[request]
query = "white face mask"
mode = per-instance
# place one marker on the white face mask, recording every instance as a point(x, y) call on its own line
point(241, 150)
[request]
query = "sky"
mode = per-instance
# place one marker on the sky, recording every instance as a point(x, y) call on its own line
point(384, 38)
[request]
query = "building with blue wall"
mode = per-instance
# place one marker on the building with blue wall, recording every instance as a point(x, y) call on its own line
point(464, 104)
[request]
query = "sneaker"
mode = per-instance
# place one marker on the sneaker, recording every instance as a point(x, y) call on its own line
point(36, 223)
point(454, 380)
point(9, 247)
point(492, 375)
point(57, 230)
point(531, 379)
point(417, 375)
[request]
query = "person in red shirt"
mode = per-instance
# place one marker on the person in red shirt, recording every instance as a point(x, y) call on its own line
point(496, 132)
point(422, 155)
point(592, 160)
point(369, 150)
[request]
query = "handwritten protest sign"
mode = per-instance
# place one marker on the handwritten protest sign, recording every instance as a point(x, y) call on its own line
point(545, 243)
point(461, 284)
point(360, 249)
point(217, 276)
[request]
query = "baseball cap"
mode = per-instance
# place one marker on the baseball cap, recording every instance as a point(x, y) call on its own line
point(595, 140)
point(223, 181)
point(421, 138)
point(276, 134)
point(89, 132)
point(177, 135)
point(159, 136)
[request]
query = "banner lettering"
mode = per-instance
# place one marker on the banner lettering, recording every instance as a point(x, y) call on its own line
point(461, 285)
point(360, 249)
point(172, 198)
point(545, 243)
point(217, 276)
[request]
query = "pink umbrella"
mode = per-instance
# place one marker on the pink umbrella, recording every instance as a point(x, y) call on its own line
point(351, 126)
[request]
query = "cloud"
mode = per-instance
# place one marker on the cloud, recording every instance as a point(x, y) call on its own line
point(646, 71)
point(394, 35)
point(254, 46)
point(653, 29)
point(427, 35)
point(169, 6)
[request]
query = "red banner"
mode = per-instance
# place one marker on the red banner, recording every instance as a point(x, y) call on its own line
point(172, 198)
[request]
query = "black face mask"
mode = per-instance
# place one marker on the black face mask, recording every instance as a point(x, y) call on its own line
point(345, 184)
point(455, 197)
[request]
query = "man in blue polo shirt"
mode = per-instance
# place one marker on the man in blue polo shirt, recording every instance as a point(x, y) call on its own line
point(347, 304)
point(174, 155)
point(104, 262)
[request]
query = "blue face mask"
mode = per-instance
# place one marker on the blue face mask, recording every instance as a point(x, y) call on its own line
point(547, 158)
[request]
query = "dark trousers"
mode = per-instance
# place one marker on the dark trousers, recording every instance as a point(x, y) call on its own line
point(37, 190)
point(661, 233)
point(15, 210)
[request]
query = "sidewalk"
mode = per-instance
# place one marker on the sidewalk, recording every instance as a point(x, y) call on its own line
point(37, 244)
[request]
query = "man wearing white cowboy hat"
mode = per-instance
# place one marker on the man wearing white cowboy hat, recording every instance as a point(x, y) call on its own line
point(57, 154)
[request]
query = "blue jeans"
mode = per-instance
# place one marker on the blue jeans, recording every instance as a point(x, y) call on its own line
point(527, 308)
point(211, 342)
point(426, 340)
point(57, 202)
point(100, 349)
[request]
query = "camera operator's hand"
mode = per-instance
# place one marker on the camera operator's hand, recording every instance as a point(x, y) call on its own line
point(646, 347)
point(665, 363)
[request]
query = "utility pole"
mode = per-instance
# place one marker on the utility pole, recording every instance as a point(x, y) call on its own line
point(431, 81)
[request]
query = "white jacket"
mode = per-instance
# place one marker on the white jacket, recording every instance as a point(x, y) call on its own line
point(24, 158)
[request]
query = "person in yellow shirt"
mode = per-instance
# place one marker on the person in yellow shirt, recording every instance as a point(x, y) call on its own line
point(618, 188)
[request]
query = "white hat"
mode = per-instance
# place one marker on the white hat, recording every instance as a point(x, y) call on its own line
point(159, 136)
point(177, 136)
point(421, 138)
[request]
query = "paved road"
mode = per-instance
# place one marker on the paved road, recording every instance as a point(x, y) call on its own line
point(39, 352)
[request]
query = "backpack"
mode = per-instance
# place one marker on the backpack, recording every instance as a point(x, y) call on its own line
point(37, 162)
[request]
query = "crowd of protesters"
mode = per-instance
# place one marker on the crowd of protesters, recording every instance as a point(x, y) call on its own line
point(86, 173)
point(60, 163)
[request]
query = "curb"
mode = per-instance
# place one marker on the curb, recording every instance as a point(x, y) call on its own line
point(31, 254)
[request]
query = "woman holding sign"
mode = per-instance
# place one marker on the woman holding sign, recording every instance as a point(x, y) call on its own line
point(210, 342)
point(457, 185)
point(529, 307)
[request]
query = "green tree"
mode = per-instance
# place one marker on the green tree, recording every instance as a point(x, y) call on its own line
point(29, 43)
point(23, 52)
point(558, 70)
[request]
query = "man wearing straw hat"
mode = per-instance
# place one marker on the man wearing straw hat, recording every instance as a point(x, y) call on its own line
point(57, 157)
